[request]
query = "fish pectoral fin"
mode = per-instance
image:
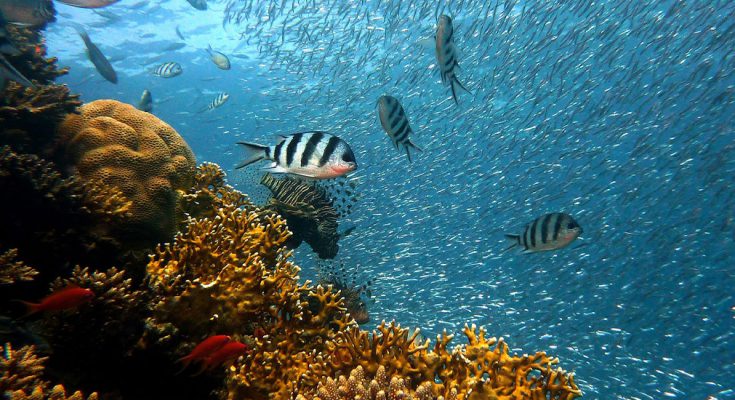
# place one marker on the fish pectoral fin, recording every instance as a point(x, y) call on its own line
point(275, 169)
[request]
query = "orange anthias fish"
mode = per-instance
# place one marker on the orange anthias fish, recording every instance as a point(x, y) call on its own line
point(229, 351)
point(205, 349)
point(63, 299)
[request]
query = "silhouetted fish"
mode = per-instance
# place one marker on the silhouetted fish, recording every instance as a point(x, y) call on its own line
point(27, 12)
point(98, 59)
point(88, 3)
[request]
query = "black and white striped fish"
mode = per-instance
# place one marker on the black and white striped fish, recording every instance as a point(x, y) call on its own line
point(446, 54)
point(549, 232)
point(314, 154)
point(168, 70)
point(220, 99)
point(395, 123)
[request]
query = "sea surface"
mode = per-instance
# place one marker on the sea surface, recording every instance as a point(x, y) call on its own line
point(619, 113)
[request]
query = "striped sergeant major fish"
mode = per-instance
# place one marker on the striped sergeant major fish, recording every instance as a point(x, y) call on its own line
point(446, 54)
point(549, 232)
point(168, 70)
point(313, 154)
point(395, 123)
point(220, 99)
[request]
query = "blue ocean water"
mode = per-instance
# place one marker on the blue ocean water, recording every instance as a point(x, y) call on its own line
point(619, 113)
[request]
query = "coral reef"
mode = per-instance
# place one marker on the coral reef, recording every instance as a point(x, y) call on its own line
point(12, 271)
point(29, 115)
point(209, 193)
point(54, 221)
point(346, 283)
point(134, 151)
point(474, 371)
point(380, 387)
point(308, 211)
point(21, 377)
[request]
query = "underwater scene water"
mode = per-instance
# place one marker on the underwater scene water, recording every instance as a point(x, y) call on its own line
point(620, 114)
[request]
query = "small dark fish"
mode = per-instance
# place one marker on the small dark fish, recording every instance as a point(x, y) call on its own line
point(314, 154)
point(179, 34)
point(175, 46)
point(446, 54)
point(107, 14)
point(138, 5)
point(198, 4)
point(168, 70)
point(98, 59)
point(549, 232)
point(219, 100)
point(219, 59)
point(147, 35)
point(88, 3)
point(8, 72)
point(395, 123)
point(146, 101)
point(27, 12)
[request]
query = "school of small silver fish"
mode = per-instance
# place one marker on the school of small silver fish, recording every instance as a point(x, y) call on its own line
point(616, 117)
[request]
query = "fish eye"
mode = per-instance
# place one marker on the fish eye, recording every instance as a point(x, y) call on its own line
point(571, 225)
point(347, 156)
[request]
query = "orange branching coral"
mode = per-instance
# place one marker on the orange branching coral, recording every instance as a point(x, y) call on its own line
point(21, 372)
point(380, 387)
point(114, 143)
point(474, 371)
point(222, 269)
point(209, 193)
point(12, 271)
point(29, 115)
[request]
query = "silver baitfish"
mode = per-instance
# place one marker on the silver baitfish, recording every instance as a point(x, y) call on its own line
point(98, 59)
point(219, 59)
point(549, 232)
point(146, 101)
point(314, 154)
point(27, 12)
point(88, 3)
point(219, 100)
point(198, 4)
point(446, 54)
point(168, 70)
point(395, 123)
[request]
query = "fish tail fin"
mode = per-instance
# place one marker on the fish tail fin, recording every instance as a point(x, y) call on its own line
point(515, 238)
point(254, 153)
point(31, 308)
point(453, 82)
point(185, 361)
point(409, 144)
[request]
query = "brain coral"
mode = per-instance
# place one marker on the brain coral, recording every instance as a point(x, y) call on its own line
point(147, 159)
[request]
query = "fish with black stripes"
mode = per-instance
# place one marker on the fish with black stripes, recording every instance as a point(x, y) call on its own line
point(219, 100)
point(314, 154)
point(446, 54)
point(168, 70)
point(33, 13)
point(550, 232)
point(395, 123)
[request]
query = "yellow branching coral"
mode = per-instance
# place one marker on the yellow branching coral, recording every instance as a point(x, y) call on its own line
point(381, 386)
point(482, 369)
point(12, 271)
point(21, 377)
point(209, 193)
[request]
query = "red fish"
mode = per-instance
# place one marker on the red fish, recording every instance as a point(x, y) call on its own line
point(64, 299)
point(205, 349)
point(228, 352)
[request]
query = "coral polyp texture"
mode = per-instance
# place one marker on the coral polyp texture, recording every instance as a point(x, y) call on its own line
point(390, 363)
point(309, 212)
point(114, 143)
point(209, 193)
point(21, 377)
